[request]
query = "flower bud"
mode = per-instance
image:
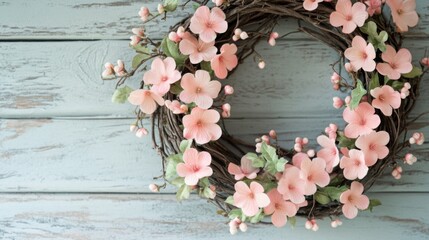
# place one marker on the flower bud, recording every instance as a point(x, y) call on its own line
point(425, 61)
point(337, 102)
point(261, 64)
point(144, 13)
point(243, 227)
point(273, 134)
point(135, 40)
point(244, 35)
point(133, 128)
point(141, 132)
point(228, 90)
point(153, 188)
point(160, 9)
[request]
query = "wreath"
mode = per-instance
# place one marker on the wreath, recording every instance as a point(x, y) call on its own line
point(182, 92)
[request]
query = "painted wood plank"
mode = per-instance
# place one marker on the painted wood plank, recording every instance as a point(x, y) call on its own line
point(107, 19)
point(61, 79)
point(55, 155)
point(129, 217)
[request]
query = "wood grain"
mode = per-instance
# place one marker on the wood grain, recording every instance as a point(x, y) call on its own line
point(114, 19)
point(47, 81)
point(125, 216)
point(79, 155)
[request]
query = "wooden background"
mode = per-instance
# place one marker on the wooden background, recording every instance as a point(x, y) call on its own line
point(69, 168)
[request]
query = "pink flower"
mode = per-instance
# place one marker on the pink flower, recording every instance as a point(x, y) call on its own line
point(361, 55)
point(313, 173)
point(311, 5)
point(410, 159)
point(291, 186)
point(161, 75)
point(246, 169)
point(226, 110)
point(279, 208)
point(135, 40)
point(329, 152)
point(201, 125)
point(386, 98)
point(374, 146)
point(361, 120)
point(196, 166)
point(144, 13)
point(374, 7)
point(138, 31)
point(397, 172)
point(331, 130)
point(403, 13)
point(120, 69)
point(250, 199)
point(226, 60)
point(207, 24)
point(298, 158)
point(354, 200)
point(175, 106)
point(395, 63)
point(109, 71)
point(354, 166)
point(417, 138)
point(197, 49)
point(337, 102)
point(199, 89)
point(348, 16)
point(146, 99)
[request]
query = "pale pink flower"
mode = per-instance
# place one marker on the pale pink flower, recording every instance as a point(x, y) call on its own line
point(417, 138)
point(395, 63)
point(331, 130)
point(337, 102)
point(174, 37)
point(226, 60)
point(311, 5)
point(397, 172)
point(120, 69)
point(245, 170)
point(196, 166)
point(403, 13)
point(197, 50)
point(354, 166)
point(109, 71)
point(374, 6)
point(135, 40)
point(201, 125)
point(374, 146)
point(329, 152)
point(207, 24)
point(138, 31)
point(313, 173)
point(226, 110)
point(410, 159)
point(348, 16)
point(250, 199)
point(175, 106)
point(279, 208)
point(162, 74)
point(386, 99)
point(199, 89)
point(425, 61)
point(228, 90)
point(353, 199)
point(361, 55)
point(291, 186)
point(362, 120)
point(146, 99)
point(144, 13)
point(298, 158)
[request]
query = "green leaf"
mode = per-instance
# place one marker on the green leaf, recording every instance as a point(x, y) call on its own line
point(178, 182)
point(142, 49)
point(369, 28)
point(357, 95)
point(268, 152)
point(235, 213)
point(121, 94)
point(334, 193)
point(176, 88)
point(257, 161)
point(345, 141)
point(170, 170)
point(416, 72)
point(185, 144)
point(375, 82)
point(322, 197)
point(183, 192)
point(208, 193)
point(373, 203)
point(377, 40)
point(292, 221)
point(268, 185)
point(137, 59)
point(280, 165)
point(195, 6)
point(204, 182)
point(170, 5)
point(171, 49)
point(258, 217)
point(230, 200)
point(207, 66)
point(395, 84)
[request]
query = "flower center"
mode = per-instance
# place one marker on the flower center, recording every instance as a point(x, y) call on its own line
point(364, 55)
point(199, 124)
point(357, 162)
point(363, 122)
point(147, 93)
point(277, 206)
point(251, 195)
point(195, 168)
point(209, 24)
point(291, 187)
point(350, 198)
point(164, 78)
point(381, 98)
point(399, 11)
point(349, 18)
point(310, 178)
point(198, 90)
point(372, 146)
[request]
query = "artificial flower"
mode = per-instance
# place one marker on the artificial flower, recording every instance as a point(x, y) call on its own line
point(331, 130)
point(244, 170)
point(374, 7)
point(109, 71)
point(353, 199)
point(176, 107)
point(201, 125)
point(410, 159)
point(417, 138)
point(313, 173)
point(162, 74)
point(147, 100)
point(311, 5)
point(354, 165)
point(374, 146)
point(329, 152)
point(386, 99)
point(120, 69)
point(197, 50)
point(226, 110)
point(196, 165)
point(250, 199)
point(291, 186)
point(135, 40)
point(272, 38)
point(397, 172)
point(361, 55)
point(403, 13)
point(298, 158)
point(144, 13)
point(228, 90)
point(361, 120)
point(279, 208)
point(207, 23)
point(396, 63)
point(199, 89)
point(348, 16)
point(337, 102)
point(225, 61)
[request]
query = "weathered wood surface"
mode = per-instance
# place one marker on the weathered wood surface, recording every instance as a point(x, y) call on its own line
point(62, 79)
point(107, 216)
point(105, 19)
point(102, 156)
